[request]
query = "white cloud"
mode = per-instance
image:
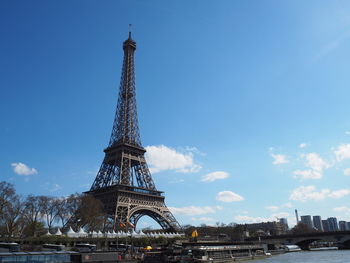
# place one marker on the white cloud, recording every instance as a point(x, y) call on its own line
point(194, 210)
point(23, 169)
point(279, 159)
point(347, 171)
point(215, 176)
point(272, 208)
point(347, 132)
point(343, 152)
point(228, 197)
point(316, 165)
point(302, 145)
point(315, 162)
point(305, 193)
point(162, 158)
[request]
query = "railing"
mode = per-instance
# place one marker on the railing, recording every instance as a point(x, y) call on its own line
point(140, 190)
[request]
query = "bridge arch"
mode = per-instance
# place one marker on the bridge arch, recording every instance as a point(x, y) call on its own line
point(305, 244)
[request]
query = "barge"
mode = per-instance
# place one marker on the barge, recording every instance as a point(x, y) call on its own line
point(207, 252)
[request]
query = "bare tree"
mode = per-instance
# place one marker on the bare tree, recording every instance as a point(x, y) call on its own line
point(67, 208)
point(7, 192)
point(50, 209)
point(11, 208)
point(33, 208)
point(12, 216)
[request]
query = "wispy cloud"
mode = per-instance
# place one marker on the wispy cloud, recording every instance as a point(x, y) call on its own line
point(302, 145)
point(194, 210)
point(55, 187)
point(250, 219)
point(194, 150)
point(347, 171)
point(332, 45)
point(218, 175)
point(258, 219)
point(343, 209)
point(306, 193)
point(316, 165)
point(52, 187)
point(288, 205)
point(275, 207)
point(278, 158)
point(272, 208)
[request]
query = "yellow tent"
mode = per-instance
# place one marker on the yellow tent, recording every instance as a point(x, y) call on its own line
point(194, 233)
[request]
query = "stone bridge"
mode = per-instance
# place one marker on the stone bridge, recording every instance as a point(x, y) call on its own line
point(342, 238)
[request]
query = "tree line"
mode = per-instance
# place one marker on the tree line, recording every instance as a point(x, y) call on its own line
point(34, 215)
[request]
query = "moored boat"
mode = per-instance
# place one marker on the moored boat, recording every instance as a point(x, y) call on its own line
point(222, 253)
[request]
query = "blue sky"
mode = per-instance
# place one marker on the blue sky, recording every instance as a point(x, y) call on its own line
point(243, 105)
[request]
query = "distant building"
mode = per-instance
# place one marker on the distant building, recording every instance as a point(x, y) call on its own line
point(317, 223)
point(333, 224)
point(342, 225)
point(347, 226)
point(307, 221)
point(284, 222)
point(296, 215)
point(325, 225)
point(267, 228)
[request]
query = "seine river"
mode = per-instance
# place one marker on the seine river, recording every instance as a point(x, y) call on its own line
point(329, 256)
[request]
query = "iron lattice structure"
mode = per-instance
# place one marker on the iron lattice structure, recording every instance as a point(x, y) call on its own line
point(124, 183)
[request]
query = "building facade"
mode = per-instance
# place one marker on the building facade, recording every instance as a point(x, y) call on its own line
point(325, 225)
point(284, 221)
point(342, 225)
point(307, 221)
point(317, 222)
point(347, 226)
point(333, 224)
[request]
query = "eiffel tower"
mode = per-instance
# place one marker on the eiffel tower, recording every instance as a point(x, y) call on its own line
point(124, 183)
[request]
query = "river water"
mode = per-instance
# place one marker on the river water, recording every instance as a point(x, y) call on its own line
point(328, 256)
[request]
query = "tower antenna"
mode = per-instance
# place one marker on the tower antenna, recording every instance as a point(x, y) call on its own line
point(130, 26)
